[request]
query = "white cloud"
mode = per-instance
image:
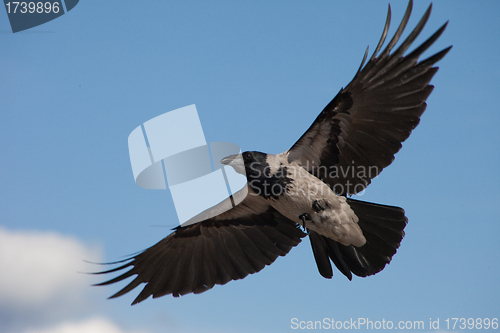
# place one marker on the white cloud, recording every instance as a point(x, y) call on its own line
point(93, 325)
point(43, 288)
point(41, 279)
point(42, 267)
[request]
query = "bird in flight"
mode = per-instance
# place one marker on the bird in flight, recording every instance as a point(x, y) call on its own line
point(305, 190)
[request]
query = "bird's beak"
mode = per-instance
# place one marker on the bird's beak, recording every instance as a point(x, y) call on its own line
point(235, 161)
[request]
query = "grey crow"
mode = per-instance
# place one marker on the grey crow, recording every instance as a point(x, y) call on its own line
point(308, 186)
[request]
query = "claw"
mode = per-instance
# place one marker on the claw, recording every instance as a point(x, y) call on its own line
point(318, 206)
point(305, 217)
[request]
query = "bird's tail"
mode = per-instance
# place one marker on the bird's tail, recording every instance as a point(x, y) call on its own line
point(382, 227)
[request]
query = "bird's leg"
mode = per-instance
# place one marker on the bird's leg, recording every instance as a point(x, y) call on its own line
point(318, 206)
point(305, 217)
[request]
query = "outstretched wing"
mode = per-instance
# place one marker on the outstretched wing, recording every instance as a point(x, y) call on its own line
point(227, 247)
point(360, 130)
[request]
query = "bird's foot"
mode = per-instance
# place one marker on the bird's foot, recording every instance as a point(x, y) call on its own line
point(305, 217)
point(318, 206)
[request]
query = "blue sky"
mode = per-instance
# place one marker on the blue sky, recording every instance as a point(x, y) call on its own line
point(259, 73)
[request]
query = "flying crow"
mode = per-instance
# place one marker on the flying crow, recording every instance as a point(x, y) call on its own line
point(307, 187)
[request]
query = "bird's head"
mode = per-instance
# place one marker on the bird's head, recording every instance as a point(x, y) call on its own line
point(249, 163)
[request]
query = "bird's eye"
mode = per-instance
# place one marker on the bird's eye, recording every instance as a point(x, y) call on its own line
point(248, 156)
